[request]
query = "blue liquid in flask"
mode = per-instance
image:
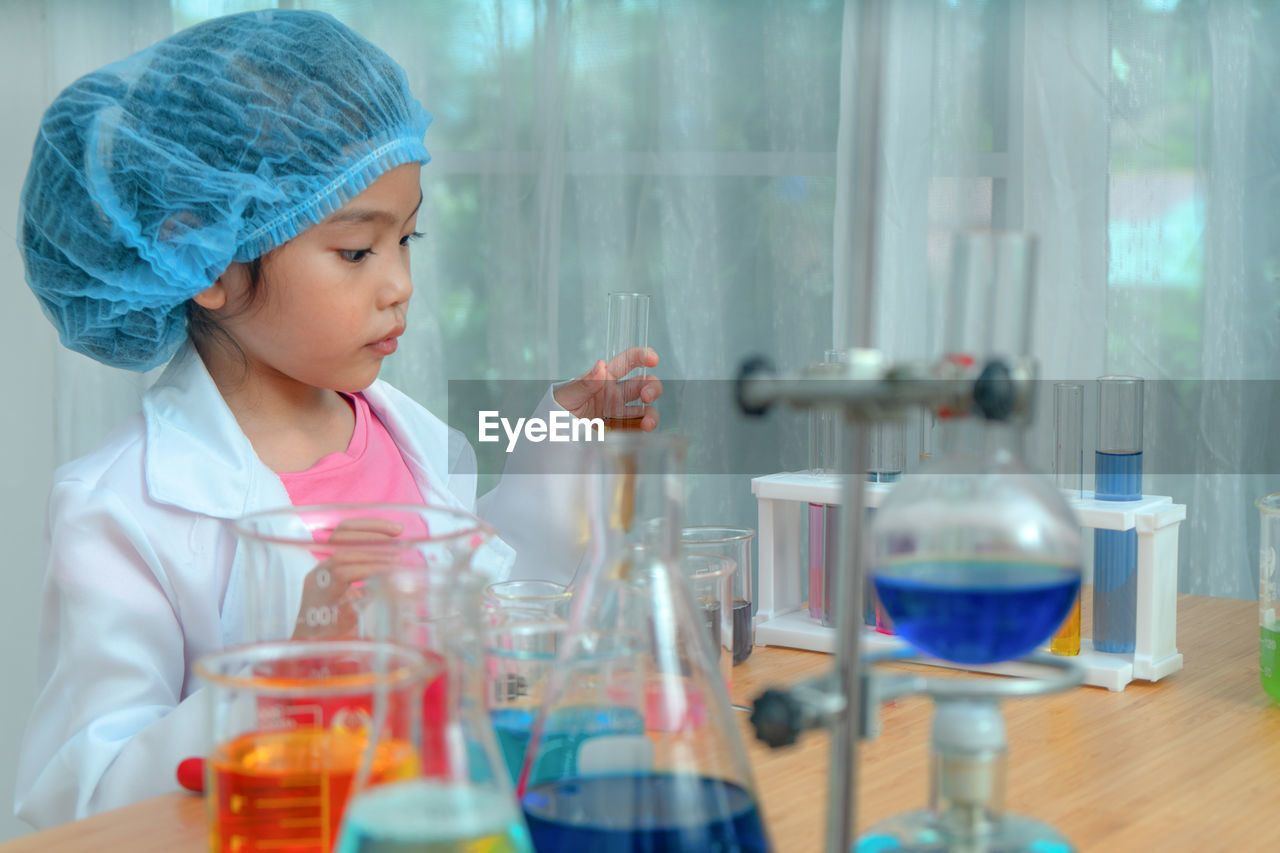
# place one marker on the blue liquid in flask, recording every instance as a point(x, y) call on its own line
point(512, 728)
point(564, 732)
point(643, 813)
point(976, 611)
point(427, 816)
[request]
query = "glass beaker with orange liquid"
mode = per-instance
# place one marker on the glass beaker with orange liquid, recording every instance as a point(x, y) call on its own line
point(295, 727)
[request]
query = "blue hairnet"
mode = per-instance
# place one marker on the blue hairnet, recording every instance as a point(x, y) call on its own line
point(217, 144)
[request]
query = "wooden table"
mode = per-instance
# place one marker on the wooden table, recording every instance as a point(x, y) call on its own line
point(1191, 763)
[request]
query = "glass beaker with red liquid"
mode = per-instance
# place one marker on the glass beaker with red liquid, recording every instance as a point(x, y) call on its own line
point(295, 727)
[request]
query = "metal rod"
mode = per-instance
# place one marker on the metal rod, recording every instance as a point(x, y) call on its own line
point(857, 247)
point(842, 822)
point(861, 238)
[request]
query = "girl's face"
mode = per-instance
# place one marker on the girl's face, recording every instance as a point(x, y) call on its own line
point(333, 299)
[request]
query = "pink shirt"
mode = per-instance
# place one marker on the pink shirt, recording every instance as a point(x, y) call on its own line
point(370, 470)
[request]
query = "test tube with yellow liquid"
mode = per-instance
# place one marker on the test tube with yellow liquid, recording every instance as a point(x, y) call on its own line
point(1068, 473)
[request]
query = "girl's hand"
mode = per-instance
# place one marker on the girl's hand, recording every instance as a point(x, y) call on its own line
point(333, 590)
point(598, 393)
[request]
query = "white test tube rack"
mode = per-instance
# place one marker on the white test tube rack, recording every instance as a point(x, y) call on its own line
point(781, 620)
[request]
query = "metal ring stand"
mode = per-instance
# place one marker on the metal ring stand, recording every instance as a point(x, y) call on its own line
point(1063, 674)
point(968, 746)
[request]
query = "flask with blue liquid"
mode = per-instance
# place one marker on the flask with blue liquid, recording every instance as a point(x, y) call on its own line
point(634, 747)
point(977, 559)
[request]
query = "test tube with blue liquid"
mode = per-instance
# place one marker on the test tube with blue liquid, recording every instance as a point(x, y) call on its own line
point(1117, 477)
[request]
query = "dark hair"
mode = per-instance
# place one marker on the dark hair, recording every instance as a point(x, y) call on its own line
point(205, 331)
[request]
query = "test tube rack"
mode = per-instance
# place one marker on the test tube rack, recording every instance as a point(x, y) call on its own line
point(781, 620)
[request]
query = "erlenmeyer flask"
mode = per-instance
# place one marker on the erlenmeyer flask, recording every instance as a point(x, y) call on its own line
point(462, 797)
point(634, 747)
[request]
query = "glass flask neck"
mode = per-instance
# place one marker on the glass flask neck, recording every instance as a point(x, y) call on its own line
point(638, 502)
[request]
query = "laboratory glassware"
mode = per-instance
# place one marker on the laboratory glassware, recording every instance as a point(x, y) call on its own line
point(295, 726)
point(1117, 477)
point(733, 543)
point(461, 797)
point(1269, 594)
point(823, 461)
point(520, 655)
point(1068, 474)
point(888, 452)
point(711, 582)
point(977, 559)
point(635, 747)
point(551, 597)
point(628, 328)
point(306, 569)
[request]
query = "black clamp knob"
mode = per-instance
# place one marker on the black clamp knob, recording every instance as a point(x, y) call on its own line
point(753, 366)
point(993, 392)
point(777, 718)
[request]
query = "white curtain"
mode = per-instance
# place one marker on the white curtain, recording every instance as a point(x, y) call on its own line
point(690, 148)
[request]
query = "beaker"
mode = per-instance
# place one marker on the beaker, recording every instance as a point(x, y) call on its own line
point(635, 747)
point(461, 796)
point(888, 445)
point(1268, 546)
point(306, 569)
point(520, 655)
point(293, 725)
point(548, 596)
point(733, 543)
point(711, 582)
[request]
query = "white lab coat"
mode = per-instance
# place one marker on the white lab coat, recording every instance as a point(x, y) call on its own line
point(143, 578)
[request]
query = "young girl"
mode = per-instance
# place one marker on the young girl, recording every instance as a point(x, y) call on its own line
point(236, 200)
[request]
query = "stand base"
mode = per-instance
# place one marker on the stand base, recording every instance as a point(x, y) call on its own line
point(918, 831)
point(798, 630)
